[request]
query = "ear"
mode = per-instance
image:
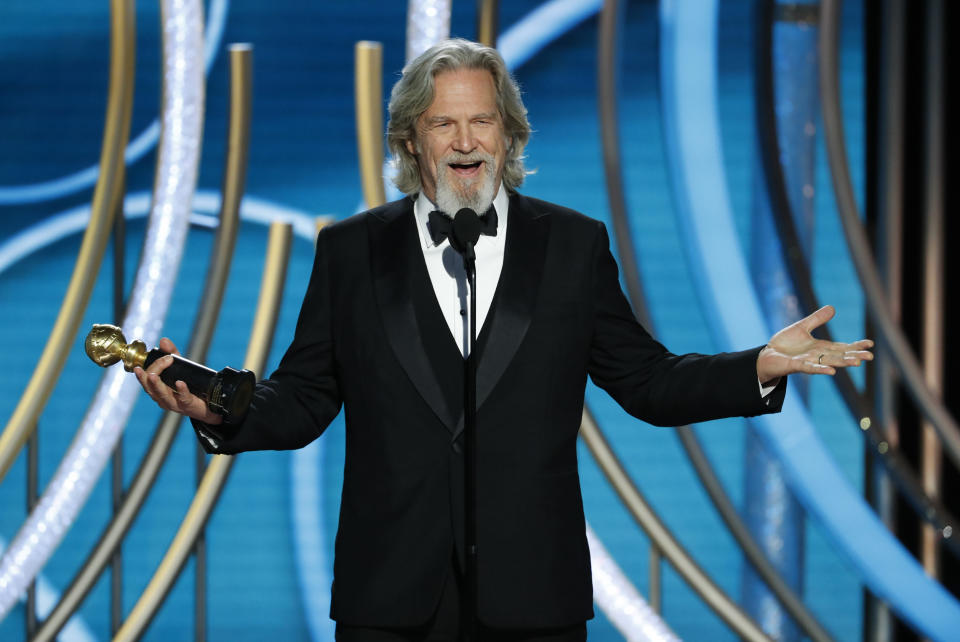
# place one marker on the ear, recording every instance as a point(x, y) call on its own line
point(410, 147)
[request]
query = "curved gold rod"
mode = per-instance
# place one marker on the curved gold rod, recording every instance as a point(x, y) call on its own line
point(487, 22)
point(215, 477)
point(107, 199)
point(234, 179)
point(721, 604)
point(368, 94)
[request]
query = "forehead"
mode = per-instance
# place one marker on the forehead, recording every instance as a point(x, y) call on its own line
point(462, 91)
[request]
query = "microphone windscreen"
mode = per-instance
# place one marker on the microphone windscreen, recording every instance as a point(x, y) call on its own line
point(466, 227)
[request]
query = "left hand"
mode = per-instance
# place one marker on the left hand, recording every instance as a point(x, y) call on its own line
point(794, 349)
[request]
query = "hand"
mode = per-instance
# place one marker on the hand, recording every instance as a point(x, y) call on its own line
point(794, 349)
point(180, 400)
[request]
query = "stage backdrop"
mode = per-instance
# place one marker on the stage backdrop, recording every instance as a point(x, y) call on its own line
point(53, 73)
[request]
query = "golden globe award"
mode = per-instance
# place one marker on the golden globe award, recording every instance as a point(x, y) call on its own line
point(227, 393)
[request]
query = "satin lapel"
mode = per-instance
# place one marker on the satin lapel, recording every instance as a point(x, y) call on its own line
point(395, 252)
point(524, 257)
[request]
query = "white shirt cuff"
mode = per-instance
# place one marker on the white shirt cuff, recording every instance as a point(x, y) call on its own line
point(767, 389)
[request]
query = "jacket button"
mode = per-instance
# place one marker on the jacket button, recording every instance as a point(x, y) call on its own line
point(457, 448)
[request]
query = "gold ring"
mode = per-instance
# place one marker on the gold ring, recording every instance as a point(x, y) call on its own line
point(820, 360)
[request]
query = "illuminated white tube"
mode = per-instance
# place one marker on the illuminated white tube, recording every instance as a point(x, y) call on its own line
point(177, 162)
point(620, 601)
point(428, 22)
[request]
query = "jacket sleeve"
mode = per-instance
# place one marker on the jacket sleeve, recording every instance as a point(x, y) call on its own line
point(300, 399)
point(655, 385)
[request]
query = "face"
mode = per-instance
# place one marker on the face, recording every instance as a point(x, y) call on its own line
point(460, 144)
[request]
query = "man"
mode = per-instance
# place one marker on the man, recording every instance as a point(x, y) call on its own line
point(382, 332)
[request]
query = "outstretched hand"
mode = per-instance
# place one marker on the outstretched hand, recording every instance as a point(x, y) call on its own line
point(179, 400)
point(794, 349)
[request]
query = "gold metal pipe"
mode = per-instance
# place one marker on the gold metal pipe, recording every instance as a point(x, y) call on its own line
point(264, 324)
point(878, 620)
point(933, 270)
point(107, 197)
point(234, 180)
point(662, 538)
point(323, 221)
point(656, 586)
point(368, 94)
point(487, 11)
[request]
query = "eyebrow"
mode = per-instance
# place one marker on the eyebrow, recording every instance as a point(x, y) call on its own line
point(442, 118)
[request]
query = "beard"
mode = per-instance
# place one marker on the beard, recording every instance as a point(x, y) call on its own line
point(455, 193)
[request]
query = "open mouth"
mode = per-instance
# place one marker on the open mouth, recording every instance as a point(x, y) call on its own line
point(466, 169)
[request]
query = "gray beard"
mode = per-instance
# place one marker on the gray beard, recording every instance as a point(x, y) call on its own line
point(451, 200)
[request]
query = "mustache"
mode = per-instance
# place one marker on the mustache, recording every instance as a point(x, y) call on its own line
point(473, 157)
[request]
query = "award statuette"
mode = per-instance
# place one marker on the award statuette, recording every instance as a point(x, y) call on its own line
point(227, 393)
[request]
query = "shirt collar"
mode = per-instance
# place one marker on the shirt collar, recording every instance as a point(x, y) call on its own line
point(423, 206)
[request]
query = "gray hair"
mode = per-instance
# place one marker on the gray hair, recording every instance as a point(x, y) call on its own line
point(413, 93)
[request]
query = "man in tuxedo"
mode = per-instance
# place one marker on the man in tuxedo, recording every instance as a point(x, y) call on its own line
point(382, 332)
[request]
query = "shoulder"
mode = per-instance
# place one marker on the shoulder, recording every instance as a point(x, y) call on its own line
point(356, 226)
point(562, 218)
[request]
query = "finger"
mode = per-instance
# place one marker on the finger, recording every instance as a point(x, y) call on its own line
point(857, 348)
point(157, 389)
point(831, 359)
point(837, 346)
point(168, 346)
point(146, 380)
point(186, 400)
point(812, 367)
point(818, 318)
point(160, 365)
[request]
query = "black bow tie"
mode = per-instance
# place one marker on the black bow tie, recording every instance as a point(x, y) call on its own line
point(441, 225)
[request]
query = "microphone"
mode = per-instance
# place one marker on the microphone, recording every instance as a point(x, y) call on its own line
point(466, 231)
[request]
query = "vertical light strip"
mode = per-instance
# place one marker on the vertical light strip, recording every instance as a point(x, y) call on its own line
point(175, 181)
point(775, 519)
point(428, 22)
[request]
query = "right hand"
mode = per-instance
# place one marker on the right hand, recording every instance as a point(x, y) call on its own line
point(180, 400)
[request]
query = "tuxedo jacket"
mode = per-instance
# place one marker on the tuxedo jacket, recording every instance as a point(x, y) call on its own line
point(371, 338)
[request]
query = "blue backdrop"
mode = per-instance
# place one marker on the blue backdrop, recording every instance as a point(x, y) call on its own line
point(53, 75)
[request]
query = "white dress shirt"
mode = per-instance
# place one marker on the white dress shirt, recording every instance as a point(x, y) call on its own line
point(445, 266)
point(449, 279)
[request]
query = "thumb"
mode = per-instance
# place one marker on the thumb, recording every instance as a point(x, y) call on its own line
point(818, 318)
point(168, 346)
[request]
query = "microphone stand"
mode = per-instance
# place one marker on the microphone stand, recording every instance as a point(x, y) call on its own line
point(469, 624)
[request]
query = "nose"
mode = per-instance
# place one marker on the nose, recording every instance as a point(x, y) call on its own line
point(465, 141)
